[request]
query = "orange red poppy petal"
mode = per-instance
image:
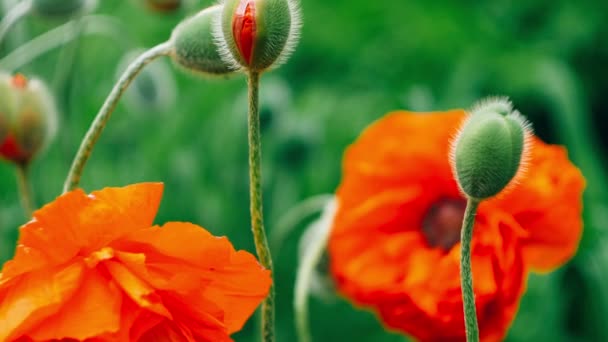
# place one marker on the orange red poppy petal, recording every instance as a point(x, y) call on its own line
point(92, 267)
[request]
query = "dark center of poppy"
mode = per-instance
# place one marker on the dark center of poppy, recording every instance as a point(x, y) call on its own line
point(244, 28)
point(442, 223)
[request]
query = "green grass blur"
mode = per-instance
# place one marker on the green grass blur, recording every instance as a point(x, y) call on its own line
point(356, 61)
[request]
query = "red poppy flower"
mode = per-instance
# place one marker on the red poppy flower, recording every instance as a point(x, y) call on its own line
point(394, 245)
point(93, 268)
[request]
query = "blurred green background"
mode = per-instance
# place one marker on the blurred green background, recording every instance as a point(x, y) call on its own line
point(356, 61)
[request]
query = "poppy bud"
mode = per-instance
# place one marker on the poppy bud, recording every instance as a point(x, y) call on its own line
point(258, 34)
point(194, 47)
point(27, 118)
point(490, 149)
point(163, 5)
point(61, 8)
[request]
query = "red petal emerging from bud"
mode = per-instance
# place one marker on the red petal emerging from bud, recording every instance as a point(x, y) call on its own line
point(243, 28)
point(10, 150)
point(19, 81)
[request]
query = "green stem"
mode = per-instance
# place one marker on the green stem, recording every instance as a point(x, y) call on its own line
point(25, 192)
point(312, 243)
point(90, 139)
point(296, 214)
point(466, 273)
point(255, 195)
point(94, 24)
point(13, 15)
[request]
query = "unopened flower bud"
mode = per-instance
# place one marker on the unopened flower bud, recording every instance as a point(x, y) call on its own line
point(163, 5)
point(258, 34)
point(491, 149)
point(62, 8)
point(27, 117)
point(194, 47)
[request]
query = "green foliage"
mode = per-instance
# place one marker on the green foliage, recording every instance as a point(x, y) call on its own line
point(60, 8)
point(356, 61)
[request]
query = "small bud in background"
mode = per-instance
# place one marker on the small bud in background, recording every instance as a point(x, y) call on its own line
point(258, 34)
point(28, 118)
point(491, 149)
point(163, 6)
point(194, 47)
point(154, 89)
point(62, 8)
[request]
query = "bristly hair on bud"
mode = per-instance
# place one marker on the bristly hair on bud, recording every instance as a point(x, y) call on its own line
point(194, 48)
point(257, 35)
point(490, 151)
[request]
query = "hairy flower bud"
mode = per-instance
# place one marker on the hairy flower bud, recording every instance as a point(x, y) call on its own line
point(62, 8)
point(258, 34)
point(194, 47)
point(163, 5)
point(490, 149)
point(27, 117)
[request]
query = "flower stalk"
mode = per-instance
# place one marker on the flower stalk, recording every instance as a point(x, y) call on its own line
point(466, 273)
point(25, 192)
point(256, 204)
point(86, 147)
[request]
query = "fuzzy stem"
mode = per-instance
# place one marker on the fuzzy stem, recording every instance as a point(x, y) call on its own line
point(466, 273)
point(14, 14)
point(25, 192)
point(90, 139)
point(95, 24)
point(256, 205)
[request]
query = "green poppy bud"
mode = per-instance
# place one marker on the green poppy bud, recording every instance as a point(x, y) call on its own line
point(27, 118)
point(194, 47)
point(258, 34)
point(490, 149)
point(163, 5)
point(62, 8)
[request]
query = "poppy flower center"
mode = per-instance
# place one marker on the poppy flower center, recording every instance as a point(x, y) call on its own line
point(442, 223)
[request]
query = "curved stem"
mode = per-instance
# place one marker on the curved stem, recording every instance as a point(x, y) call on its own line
point(25, 192)
point(313, 250)
point(466, 273)
point(14, 14)
point(288, 221)
point(94, 24)
point(256, 205)
point(94, 132)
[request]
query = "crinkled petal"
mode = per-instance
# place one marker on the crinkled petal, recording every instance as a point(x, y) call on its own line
point(547, 204)
point(82, 224)
point(138, 290)
point(34, 297)
point(93, 310)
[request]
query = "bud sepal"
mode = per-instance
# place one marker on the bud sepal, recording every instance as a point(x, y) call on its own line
point(491, 149)
point(257, 35)
point(194, 46)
